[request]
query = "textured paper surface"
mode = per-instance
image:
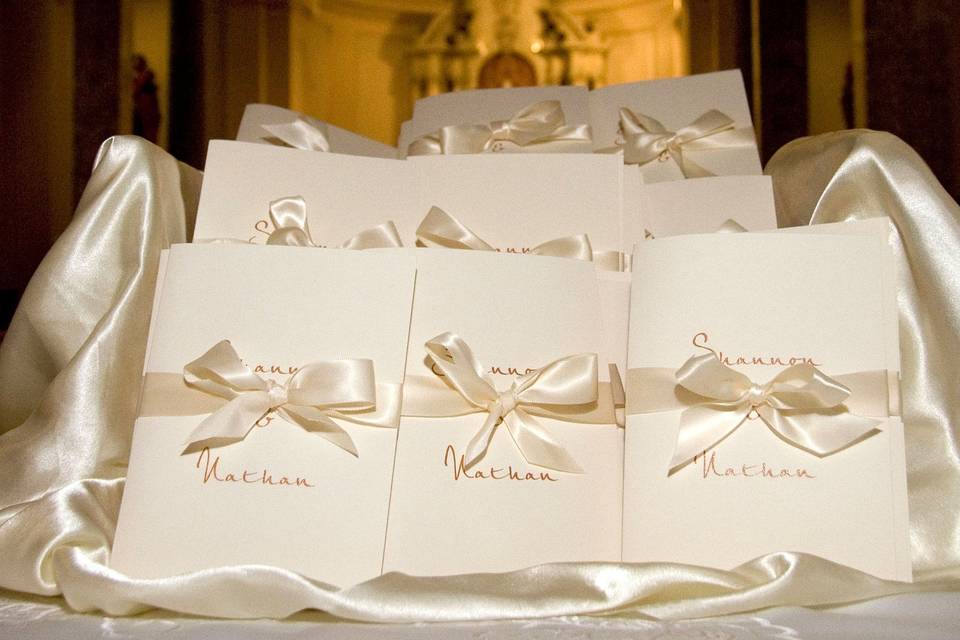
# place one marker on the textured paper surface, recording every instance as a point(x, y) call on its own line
point(511, 201)
point(282, 307)
point(518, 201)
point(344, 194)
point(775, 295)
point(701, 205)
point(677, 102)
point(520, 312)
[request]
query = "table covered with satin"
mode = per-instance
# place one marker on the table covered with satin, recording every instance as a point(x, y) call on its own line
point(70, 370)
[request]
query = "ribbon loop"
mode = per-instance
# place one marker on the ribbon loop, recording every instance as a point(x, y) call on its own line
point(569, 382)
point(801, 404)
point(310, 398)
point(291, 228)
point(540, 123)
point(301, 134)
point(645, 139)
point(440, 229)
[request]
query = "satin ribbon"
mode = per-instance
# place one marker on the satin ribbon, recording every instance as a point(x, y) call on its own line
point(312, 396)
point(537, 124)
point(729, 226)
point(291, 228)
point(645, 139)
point(440, 229)
point(801, 404)
point(301, 134)
point(568, 384)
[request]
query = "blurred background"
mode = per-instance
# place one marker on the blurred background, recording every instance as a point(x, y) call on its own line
point(179, 72)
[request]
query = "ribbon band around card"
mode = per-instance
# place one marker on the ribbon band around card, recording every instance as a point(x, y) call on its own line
point(655, 390)
point(167, 395)
point(805, 407)
point(430, 397)
point(235, 399)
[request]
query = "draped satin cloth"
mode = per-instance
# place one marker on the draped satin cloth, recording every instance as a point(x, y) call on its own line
point(70, 368)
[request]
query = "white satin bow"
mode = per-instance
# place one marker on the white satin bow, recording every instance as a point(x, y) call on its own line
point(301, 134)
point(311, 396)
point(567, 382)
point(645, 139)
point(538, 123)
point(291, 227)
point(801, 404)
point(440, 229)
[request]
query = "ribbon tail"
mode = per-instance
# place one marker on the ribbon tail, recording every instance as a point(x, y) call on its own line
point(230, 423)
point(383, 236)
point(731, 226)
point(821, 432)
point(576, 247)
point(428, 145)
point(702, 427)
point(478, 445)
point(290, 237)
point(537, 446)
point(688, 167)
point(300, 134)
point(439, 228)
point(322, 426)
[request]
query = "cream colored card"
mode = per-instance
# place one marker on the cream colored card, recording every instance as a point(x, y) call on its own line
point(676, 103)
point(763, 299)
point(255, 116)
point(515, 202)
point(478, 106)
point(633, 209)
point(885, 232)
point(615, 308)
point(516, 313)
point(282, 496)
point(344, 195)
point(404, 138)
point(700, 205)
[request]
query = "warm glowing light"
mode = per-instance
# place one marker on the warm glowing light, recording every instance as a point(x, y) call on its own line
point(536, 46)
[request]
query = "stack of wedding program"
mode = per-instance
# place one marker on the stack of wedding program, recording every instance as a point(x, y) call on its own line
point(552, 325)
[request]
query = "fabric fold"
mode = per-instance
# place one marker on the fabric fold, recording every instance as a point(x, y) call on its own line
point(71, 362)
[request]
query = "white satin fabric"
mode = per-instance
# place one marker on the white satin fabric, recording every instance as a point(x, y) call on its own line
point(70, 368)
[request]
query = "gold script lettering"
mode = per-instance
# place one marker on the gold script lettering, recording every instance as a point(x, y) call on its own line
point(711, 468)
point(213, 473)
point(701, 339)
point(451, 460)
